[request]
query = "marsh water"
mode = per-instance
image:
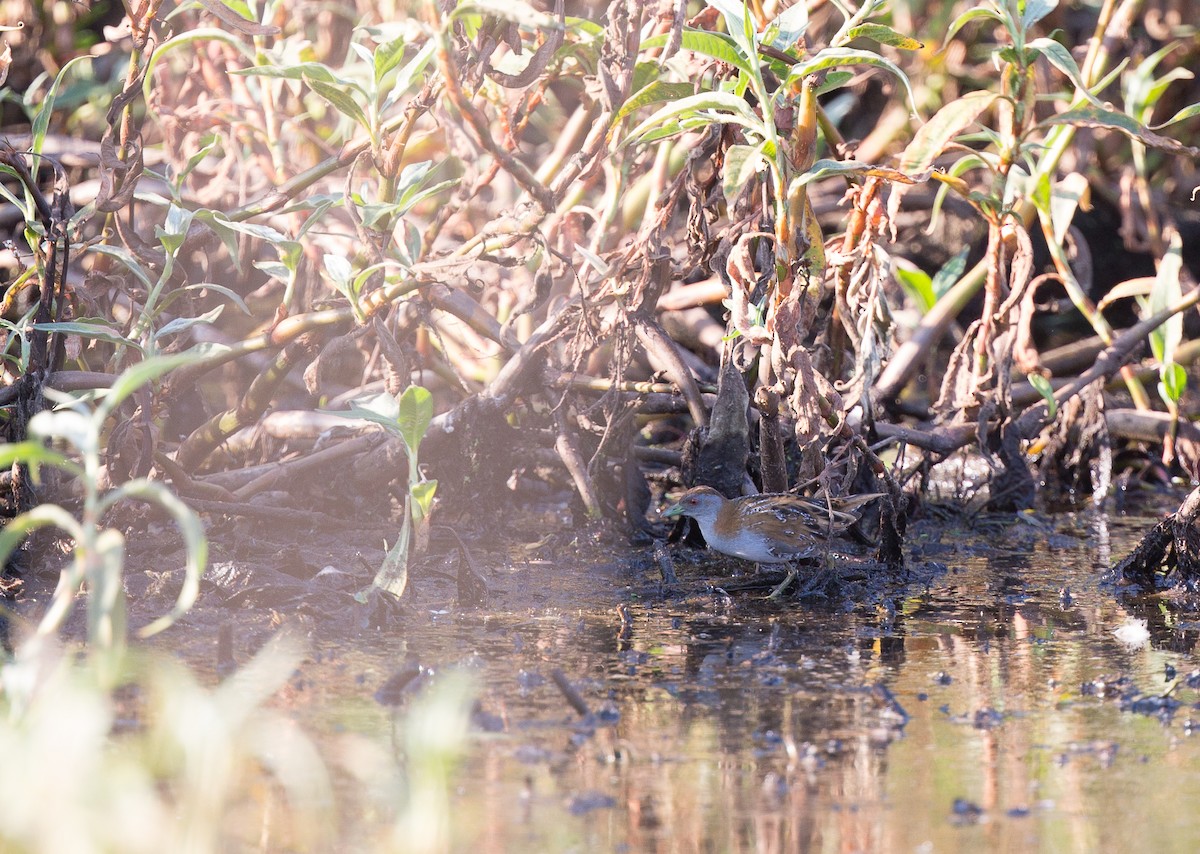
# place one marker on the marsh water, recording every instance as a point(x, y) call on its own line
point(1000, 698)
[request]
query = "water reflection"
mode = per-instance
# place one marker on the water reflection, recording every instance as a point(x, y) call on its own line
point(959, 712)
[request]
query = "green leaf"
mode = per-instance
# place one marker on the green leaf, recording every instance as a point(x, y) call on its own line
point(884, 35)
point(1142, 91)
point(422, 494)
point(716, 46)
point(414, 416)
point(1104, 118)
point(306, 71)
point(1138, 84)
point(971, 15)
point(412, 242)
point(1108, 78)
point(827, 168)
point(1017, 186)
point(26, 206)
point(1168, 291)
point(597, 263)
point(365, 274)
point(1042, 386)
point(69, 425)
point(228, 230)
point(738, 22)
point(655, 93)
point(645, 73)
point(1066, 196)
point(392, 576)
point(125, 257)
point(724, 107)
point(174, 229)
point(790, 25)
point(379, 409)
point(138, 375)
point(231, 295)
point(1141, 286)
point(412, 70)
point(837, 57)
point(1061, 59)
point(18, 528)
point(414, 196)
point(41, 119)
point(949, 273)
point(321, 79)
point(194, 539)
point(667, 130)
point(932, 137)
point(1173, 383)
point(274, 269)
point(342, 102)
point(834, 80)
point(208, 145)
point(742, 163)
point(341, 276)
point(587, 27)
point(387, 56)
point(368, 57)
point(32, 453)
point(378, 217)
point(1159, 87)
point(262, 232)
point(1186, 113)
point(241, 13)
point(180, 324)
point(1035, 10)
point(226, 234)
point(318, 204)
point(918, 285)
point(96, 330)
point(412, 176)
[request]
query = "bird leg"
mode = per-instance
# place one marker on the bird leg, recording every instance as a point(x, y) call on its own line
point(777, 593)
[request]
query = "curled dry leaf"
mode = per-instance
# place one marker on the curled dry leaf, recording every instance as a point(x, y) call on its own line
point(743, 278)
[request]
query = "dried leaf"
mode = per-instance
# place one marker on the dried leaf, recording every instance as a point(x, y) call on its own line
point(744, 315)
point(236, 22)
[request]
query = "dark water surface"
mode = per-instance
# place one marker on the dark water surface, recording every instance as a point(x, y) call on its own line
point(986, 706)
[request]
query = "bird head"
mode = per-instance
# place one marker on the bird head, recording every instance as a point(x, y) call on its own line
point(702, 503)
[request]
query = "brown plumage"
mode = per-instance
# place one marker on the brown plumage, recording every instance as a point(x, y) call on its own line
point(767, 528)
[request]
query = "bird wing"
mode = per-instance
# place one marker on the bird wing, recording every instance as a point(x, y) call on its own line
point(792, 510)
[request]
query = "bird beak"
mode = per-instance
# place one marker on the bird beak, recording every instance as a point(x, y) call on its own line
point(674, 510)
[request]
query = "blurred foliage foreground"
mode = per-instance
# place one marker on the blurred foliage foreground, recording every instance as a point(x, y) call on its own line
point(265, 257)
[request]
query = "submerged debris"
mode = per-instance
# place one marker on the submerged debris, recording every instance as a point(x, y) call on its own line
point(585, 802)
point(1169, 553)
point(1131, 698)
point(1133, 633)
point(966, 812)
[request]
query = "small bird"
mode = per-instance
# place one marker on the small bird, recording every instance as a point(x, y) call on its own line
point(767, 528)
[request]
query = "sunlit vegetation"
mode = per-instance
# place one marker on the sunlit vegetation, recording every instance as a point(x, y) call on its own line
point(434, 262)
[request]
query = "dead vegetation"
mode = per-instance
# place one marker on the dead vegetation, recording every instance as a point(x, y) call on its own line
point(622, 249)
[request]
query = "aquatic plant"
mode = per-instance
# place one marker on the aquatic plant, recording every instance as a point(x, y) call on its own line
point(98, 551)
